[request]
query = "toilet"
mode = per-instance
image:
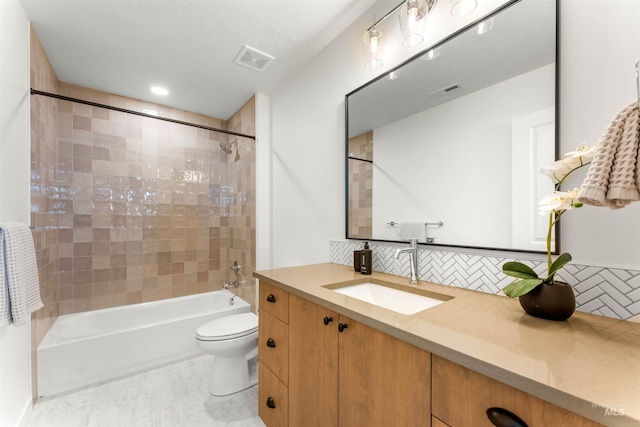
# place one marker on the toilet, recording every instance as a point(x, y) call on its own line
point(233, 342)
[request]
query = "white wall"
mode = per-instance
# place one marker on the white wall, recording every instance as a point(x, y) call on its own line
point(308, 187)
point(599, 41)
point(15, 365)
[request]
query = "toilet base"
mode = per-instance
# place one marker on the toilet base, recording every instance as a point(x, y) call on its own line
point(233, 375)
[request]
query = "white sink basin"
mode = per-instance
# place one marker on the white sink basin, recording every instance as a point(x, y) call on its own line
point(391, 296)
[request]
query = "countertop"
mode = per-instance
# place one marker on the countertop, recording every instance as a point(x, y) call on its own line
point(588, 364)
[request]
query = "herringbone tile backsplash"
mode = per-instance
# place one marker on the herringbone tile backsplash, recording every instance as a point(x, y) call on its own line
point(610, 292)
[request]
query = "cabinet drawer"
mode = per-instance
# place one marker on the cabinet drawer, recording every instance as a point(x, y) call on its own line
point(461, 397)
point(273, 345)
point(437, 423)
point(275, 301)
point(273, 404)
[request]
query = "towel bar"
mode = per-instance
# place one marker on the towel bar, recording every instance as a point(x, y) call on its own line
point(439, 223)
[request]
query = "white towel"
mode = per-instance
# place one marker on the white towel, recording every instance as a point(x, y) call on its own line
point(20, 294)
point(613, 178)
point(409, 230)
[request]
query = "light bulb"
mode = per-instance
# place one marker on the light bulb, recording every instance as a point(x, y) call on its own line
point(374, 40)
point(412, 13)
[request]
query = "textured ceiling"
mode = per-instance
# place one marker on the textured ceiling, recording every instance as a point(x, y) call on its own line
point(188, 46)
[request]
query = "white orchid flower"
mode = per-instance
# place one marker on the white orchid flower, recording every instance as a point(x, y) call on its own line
point(559, 169)
point(558, 201)
point(572, 160)
point(584, 152)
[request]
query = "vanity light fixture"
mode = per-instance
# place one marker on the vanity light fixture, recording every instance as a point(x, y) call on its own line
point(484, 27)
point(413, 18)
point(159, 90)
point(432, 54)
point(462, 7)
point(373, 46)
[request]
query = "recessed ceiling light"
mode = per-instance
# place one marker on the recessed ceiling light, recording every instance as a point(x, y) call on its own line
point(159, 90)
point(393, 75)
point(484, 27)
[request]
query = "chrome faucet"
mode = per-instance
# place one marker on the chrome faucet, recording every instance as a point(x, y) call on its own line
point(413, 260)
point(233, 284)
point(236, 270)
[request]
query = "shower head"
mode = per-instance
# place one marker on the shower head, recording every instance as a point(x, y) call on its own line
point(226, 147)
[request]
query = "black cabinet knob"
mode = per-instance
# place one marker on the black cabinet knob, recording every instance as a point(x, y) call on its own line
point(270, 403)
point(271, 343)
point(327, 320)
point(342, 326)
point(501, 417)
point(271, 298)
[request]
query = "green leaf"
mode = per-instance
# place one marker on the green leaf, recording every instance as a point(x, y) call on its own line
point(521, 287)
point(557, 265)
point(519, 270)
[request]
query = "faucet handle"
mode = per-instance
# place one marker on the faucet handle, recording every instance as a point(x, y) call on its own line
point(235, 267)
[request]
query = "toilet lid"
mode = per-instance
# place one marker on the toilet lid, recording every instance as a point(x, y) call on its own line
point(228, 327)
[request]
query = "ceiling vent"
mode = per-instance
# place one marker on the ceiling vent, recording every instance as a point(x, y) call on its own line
point(254, 59)
point(445, 91)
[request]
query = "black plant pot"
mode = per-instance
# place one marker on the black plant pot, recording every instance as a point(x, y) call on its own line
point(551, 302)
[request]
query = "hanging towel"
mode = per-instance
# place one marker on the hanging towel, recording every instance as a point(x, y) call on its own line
point(20, 294)
point(410, 230)
point(613, 178)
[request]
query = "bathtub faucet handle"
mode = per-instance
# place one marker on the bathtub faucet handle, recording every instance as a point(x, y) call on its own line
point(235, 268)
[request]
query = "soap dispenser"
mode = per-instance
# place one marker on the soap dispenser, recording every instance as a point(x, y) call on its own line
point(365, 259)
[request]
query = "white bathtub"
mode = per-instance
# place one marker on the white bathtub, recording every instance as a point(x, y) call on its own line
point(86, 348)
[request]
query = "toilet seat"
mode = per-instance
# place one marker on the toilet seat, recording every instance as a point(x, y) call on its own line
point(228, 327)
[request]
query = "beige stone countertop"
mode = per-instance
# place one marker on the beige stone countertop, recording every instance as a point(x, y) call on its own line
point(588, 364)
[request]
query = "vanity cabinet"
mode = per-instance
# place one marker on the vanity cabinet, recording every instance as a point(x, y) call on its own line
point(462, 396)
point(344, 373)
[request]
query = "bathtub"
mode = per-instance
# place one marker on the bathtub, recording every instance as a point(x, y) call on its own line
point(86, 348)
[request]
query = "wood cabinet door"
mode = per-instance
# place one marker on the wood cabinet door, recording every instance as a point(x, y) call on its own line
point(313, 364)
point(462, 396)
point(383, 381)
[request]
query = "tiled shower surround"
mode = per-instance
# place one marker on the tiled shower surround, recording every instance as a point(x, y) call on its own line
point(143, 207)
point(611, 292)
point(360, 175)
point(130, 209)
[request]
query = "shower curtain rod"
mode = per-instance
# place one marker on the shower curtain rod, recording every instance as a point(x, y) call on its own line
point(151, 116)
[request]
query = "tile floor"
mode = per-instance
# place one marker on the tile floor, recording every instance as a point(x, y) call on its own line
point(170, 396)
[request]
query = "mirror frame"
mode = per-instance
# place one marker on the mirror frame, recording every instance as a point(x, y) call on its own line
point(498, 10)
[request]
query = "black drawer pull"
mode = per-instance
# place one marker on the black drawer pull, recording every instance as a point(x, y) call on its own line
point(271, 298)
point(500, 417)
point(271, 343)
point(342, 326)
point(270, 403)
point(327, 320)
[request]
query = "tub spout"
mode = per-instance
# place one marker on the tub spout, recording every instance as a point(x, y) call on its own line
point(233, 284)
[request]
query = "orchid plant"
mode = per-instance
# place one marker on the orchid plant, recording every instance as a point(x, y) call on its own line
point(554, 205)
